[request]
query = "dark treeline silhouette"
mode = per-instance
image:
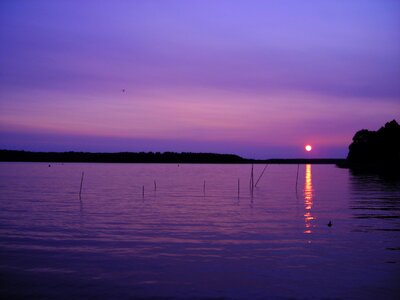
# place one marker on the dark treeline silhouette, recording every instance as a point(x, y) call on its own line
point(376, 146)
point(146, 157)
point(120, 157)
point(376, 150)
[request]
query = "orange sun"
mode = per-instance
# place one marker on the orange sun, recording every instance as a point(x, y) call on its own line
point(308, 148)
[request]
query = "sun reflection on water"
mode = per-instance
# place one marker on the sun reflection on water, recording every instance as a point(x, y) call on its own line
point(308, 200)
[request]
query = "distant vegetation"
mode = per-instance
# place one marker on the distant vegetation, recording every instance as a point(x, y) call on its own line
point(146, 157)
point(121, 157)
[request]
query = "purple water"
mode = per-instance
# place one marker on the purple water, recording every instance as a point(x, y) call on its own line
point(190, 240)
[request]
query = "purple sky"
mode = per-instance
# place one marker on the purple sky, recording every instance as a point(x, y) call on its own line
point(256, 78)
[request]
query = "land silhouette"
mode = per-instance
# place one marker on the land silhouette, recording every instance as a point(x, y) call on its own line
point(146, 157)
point(375, 150)
point(120, 157)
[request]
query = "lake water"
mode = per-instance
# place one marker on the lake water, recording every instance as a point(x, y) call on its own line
point(193, 235)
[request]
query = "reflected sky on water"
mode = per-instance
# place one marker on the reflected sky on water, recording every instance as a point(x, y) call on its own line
point(194, 236)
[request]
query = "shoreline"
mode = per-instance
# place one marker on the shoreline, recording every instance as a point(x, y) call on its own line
point(150, 157)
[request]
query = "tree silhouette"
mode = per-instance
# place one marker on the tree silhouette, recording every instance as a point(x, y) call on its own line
point(382, 146)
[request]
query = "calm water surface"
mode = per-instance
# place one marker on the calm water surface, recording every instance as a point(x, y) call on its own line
point(181, 238)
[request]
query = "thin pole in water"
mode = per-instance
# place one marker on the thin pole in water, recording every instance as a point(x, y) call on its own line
point(297, 176)
point(80, 189)
point(143, 191)
point(262, 173)
point(252, 179)
point(155, 186)
point(204, 187)
point(238, 187)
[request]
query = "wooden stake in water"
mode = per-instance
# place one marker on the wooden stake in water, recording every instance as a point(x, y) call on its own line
point(252, 179)
point(297, 176)
point(143, 191)
point(80, 189)
point(155, 186)
point(262, 173)
point(238, 187)
point(204, 187)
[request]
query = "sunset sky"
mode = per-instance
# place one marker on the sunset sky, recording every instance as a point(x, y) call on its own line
point(256, 78)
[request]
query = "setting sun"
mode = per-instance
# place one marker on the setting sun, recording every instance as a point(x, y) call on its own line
point(308, 148)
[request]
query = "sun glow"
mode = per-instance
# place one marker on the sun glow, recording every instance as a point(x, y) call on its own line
point(308, 148)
